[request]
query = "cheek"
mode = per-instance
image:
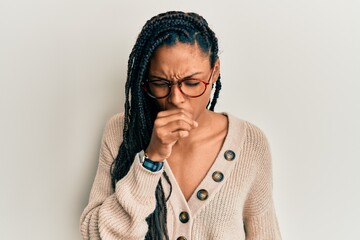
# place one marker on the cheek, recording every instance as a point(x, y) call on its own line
point(160, 103)
point(204, 99)
point(208, 92)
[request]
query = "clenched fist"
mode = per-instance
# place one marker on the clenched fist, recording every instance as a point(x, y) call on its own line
point(169, 127)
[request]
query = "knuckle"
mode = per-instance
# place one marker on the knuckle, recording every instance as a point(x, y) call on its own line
point(160, 115)
point(158, 122)
point(180, 123)
point(182, 115)
point(183, 133)
point(157, 132)
point(183, 124)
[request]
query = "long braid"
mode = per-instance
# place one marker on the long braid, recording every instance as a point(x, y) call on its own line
point(140, 112)
point(216, 94)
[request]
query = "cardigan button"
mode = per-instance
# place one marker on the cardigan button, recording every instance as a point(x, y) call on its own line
point(217, 176)
point(184, 217)
point(202, 194)
point(229, 155)
point(181, 238)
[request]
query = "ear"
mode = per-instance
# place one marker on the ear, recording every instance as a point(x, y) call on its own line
point(216, 70)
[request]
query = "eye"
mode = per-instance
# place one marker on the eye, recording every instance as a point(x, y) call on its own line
point(158, 83)
point(191, 83)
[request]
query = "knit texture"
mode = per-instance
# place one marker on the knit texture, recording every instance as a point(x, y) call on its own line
point(238, 207)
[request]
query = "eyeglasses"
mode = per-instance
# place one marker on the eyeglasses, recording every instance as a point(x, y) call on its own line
point(189, 87)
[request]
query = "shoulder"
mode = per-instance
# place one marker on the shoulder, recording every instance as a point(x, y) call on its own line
point(115, 122)
point(254, 149)
point(255, 134)
point(113, 133)
point(252, 136)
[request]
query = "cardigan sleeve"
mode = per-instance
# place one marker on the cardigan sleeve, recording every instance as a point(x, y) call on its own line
point(119, 214)
point(260, 221)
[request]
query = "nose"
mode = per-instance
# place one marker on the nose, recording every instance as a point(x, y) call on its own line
point(176, 97)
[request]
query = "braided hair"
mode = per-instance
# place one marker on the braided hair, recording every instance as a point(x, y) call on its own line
point(140, 111)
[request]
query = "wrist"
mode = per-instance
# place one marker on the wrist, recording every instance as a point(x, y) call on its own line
point(153, 156)
point(149, 164)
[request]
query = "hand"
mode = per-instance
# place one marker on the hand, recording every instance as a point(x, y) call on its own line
point(169, 127)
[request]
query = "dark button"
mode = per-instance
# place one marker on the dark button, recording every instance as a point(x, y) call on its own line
point(217, 176)
point(202, 194)
point(184, 217)
point(229, 155)
point(181, 238)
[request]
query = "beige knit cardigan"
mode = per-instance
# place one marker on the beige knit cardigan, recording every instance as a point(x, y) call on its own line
point(239, 204)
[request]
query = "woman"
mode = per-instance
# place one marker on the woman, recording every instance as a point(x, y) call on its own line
point(169, 168)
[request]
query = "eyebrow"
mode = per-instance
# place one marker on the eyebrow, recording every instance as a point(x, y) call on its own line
point(184, 78)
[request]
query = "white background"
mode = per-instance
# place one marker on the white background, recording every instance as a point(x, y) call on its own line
point(290, 67)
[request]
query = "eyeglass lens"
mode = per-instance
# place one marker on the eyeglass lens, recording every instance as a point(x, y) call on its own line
point(162, 88)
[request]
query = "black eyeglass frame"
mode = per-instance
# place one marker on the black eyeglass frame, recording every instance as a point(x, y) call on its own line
point(178, 83)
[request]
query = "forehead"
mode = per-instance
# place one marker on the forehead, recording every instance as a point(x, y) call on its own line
point(180, 57)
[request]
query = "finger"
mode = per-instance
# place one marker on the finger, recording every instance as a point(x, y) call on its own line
point(180, 134)
point(159, 122)
point(163, 132)
point(176, 135)
point(167, 113)
point(177, 119)
point(177, 125)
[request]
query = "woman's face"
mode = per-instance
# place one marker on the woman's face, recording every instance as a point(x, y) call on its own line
point(178, 62)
